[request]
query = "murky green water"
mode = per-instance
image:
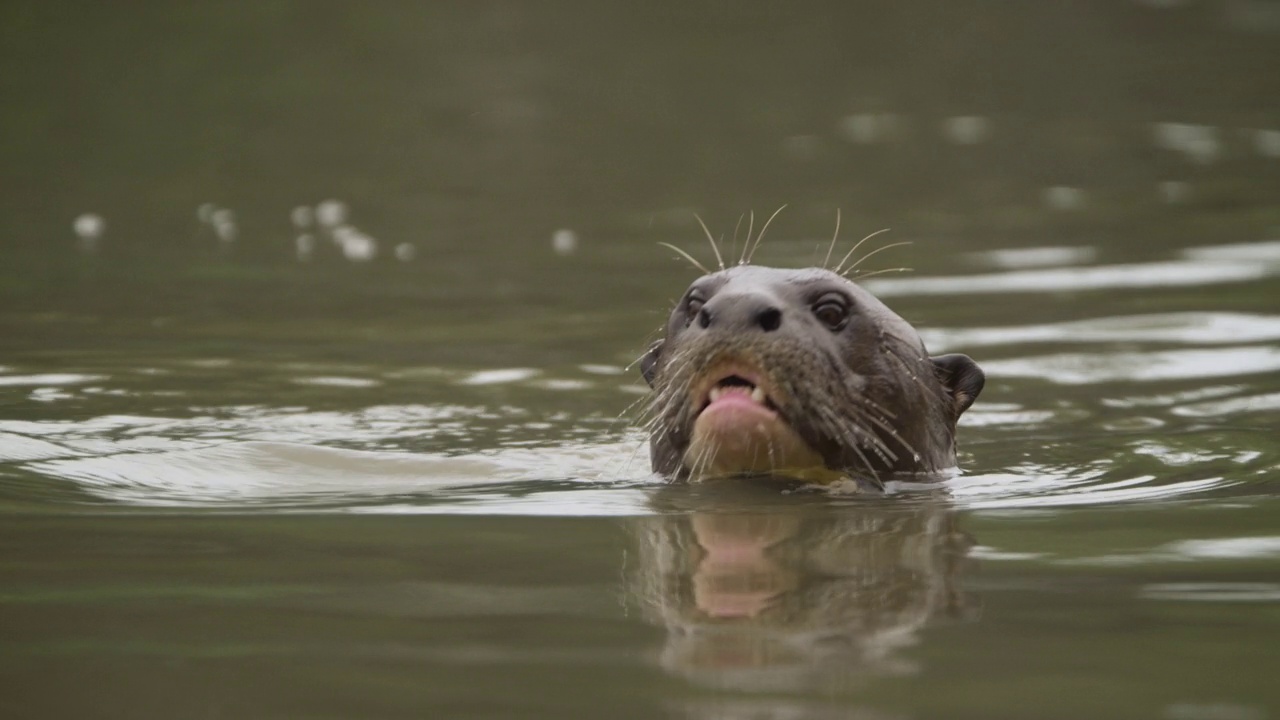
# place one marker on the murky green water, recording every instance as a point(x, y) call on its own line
point(316, 322)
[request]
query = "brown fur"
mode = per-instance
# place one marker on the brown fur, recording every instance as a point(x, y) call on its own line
point(865, 396)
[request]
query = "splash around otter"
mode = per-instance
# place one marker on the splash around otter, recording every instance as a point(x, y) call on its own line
point(800, 374)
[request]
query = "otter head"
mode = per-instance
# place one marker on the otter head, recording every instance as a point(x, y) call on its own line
point(798, 373)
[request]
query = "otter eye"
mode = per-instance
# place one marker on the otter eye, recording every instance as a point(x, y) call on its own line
point(831, 312)
point(692, 306)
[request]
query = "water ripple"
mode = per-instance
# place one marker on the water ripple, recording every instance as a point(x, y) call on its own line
point(1099, 367)
point(1190, 328)
point(1206, 265)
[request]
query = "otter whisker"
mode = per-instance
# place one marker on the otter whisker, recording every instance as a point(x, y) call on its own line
point(834, 236)
point(861, 414)
point(873, 273)
point(857, 450)
point(686, 256)
point(869, 404)
point(714, 247)
point(706, 457)
point(854, 249)
point(882, 449)
point(873, 252)
point(913, 372)
point(736, 226)
point(893, 433)
point(836, 425)
point(746, 244)
point(633, 407)
point(763, 229)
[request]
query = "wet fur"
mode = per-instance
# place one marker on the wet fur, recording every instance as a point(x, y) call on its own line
point(868, 398)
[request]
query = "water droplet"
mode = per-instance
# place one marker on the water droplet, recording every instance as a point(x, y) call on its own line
point(1062, 197)
point(1174, 191)
point(405, 252)
point(331, 213)
point(802, 147)
point(224, 225)
point(1200, 143)
point(564, 241)
point(862, 128)
point(302, 217)
point(966, 129)
point(204, 213)
point(1267, 143)
point(358, 247)
point(227, 232)
point(89, 226)
point(304, 245)
point(89, 229)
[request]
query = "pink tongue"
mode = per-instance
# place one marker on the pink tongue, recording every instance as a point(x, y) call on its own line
point(733, 394)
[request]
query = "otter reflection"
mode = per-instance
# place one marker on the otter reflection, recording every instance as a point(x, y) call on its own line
point(796, 594)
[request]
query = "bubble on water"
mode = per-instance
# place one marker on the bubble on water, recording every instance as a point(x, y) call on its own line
point(224, 225)
point(331, 213)
point(564, 241)
point(1063, 197)
point(342, 233)
point(204, 213)
point(802, 147)
point(1174, 191)
point(868, 128)
point(89, 226)
point(1200, 143)
point(1216, 711)
point(966, 129)
point(358, 247)
point(302, 216)
point(1267, 143)
point(405, 252)
point(304, 245)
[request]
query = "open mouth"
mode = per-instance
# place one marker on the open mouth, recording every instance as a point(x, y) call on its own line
point(733, 387)
point(738, 428)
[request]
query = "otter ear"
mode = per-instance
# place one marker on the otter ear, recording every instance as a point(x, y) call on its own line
point(961, 377)
point(649, 362)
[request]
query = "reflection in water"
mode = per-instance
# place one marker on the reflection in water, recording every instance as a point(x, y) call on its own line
point(789, 598)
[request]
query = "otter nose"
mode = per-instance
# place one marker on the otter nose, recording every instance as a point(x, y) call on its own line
point(741, 313)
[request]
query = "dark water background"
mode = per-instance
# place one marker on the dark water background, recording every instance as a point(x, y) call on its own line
point(316, 318)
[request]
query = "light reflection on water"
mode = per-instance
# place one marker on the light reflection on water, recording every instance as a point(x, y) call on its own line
point(281, 458)
point(365, 460)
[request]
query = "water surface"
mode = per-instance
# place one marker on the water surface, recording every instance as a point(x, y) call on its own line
point(317, 393)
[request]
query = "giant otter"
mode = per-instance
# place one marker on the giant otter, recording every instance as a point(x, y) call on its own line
point(800, 374)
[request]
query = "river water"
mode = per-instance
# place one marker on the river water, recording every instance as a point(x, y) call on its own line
point(317, 395)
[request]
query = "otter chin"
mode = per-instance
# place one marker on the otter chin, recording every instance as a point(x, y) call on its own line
point(739, 429)
point(799, 374)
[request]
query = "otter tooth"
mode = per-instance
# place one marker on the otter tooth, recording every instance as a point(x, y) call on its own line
point(757, 394)
point(715, 394)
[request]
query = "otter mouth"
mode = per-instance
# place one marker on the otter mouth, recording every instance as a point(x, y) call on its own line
point(738, 427)
point(735, 386)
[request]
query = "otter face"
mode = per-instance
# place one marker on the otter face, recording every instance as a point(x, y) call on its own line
point(798, 373)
